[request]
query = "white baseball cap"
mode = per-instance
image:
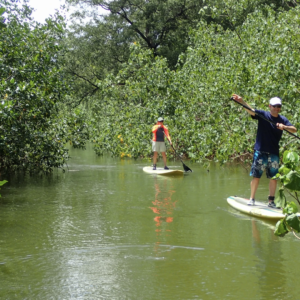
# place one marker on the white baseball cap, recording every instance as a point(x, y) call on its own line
point(275, 101)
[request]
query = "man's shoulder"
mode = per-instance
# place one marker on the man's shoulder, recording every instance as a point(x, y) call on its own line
point(284, 120)
point(282, 117)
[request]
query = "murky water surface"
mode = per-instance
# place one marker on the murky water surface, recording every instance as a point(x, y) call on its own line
point(107, 230)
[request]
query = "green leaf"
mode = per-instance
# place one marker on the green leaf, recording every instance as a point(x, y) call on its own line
point(280, 199)
point(291, 208)
point(3, 182)
point(290, 157)
point(293, 181)
point(281, 229)
point(293, 221)
point(283, 170)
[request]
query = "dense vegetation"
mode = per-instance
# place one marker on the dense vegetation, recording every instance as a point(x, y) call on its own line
point(289, 178)
point(33, 90)
point(258, 60)
point(108, 80)
point(103, 45)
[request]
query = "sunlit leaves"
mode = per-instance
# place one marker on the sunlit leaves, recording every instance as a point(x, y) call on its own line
point(290, 208)
point(2, 19)
point(281, 228)
point(290, 181)
point(2, 183)
point(246, 62)
point(280, 199)
point(31, 86)
point(288, 173)
point(293, 221)
point(290, 159)
point(253, 61)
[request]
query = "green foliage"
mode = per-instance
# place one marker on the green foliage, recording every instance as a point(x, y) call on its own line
point(281, 228)
point(231, 13)
point(291, 222)
point(288, 173)
point(130, 104)
point(94, 53)
point(31, 87)
point(289, 179)
point(2, 19)
point(74, 126)
point(222, 62)
point(292, 181)
point(259, 62)
point(101, 45)
point(290, 208)
point(2, 183)
point(280, 199)
point(161, 26)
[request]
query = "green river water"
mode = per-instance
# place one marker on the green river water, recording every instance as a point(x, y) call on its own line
point(107, 230)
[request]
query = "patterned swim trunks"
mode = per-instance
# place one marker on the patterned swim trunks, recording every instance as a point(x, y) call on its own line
point(264, 161)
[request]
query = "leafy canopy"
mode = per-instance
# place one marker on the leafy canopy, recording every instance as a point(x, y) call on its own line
point(31, 87)
point(194, 99)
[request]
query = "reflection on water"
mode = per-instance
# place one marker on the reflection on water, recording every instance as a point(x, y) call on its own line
point(163, 209)
point(269, 263)
point(163, 204)
point(110, 231)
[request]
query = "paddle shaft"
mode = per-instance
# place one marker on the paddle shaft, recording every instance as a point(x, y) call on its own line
point(262, 117)
point(173, 147)
point(185, 167)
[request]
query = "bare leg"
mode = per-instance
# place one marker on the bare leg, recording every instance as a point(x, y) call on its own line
point(254, 186)
point(272, 187)
point(155, 157)
point(163, 154)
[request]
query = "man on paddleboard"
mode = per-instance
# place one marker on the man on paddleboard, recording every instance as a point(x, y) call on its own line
point(266, 149)
point(158, 142)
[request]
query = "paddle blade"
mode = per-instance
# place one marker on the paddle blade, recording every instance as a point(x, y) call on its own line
point(186, 168)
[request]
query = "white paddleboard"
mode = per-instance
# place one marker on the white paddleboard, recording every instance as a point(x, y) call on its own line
point(260, 209)
point(162, 171)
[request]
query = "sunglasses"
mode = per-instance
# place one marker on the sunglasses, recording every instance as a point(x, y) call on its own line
point(277, 106)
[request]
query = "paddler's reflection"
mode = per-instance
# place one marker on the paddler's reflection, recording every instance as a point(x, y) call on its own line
point(163, 206)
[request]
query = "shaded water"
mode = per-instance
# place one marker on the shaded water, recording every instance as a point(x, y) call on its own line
point(107, 230)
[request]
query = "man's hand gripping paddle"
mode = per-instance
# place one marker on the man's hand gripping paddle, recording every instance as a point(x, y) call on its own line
point(262, 117)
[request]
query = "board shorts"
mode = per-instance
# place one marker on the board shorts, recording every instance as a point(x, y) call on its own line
point(158, 146)
point(264, 161)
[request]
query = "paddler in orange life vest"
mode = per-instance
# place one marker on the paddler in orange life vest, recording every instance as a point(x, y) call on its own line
point(158, 141)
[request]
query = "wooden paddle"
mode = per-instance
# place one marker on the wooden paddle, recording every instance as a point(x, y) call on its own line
point(185, 167)
point(261, 116)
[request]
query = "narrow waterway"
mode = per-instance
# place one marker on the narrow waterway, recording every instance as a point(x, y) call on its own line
point(104, 229)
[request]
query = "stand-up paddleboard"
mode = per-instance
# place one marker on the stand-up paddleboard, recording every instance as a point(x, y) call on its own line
point(162, 171)
point(260, 209)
